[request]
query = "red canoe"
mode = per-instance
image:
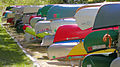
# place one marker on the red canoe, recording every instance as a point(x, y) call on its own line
point(73, 32)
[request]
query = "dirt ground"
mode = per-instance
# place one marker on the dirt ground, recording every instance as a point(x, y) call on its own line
point(36, 51)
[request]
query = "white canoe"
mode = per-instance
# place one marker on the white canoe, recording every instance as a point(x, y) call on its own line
point(52, 26)
point(10, 15)
point(26, 9)
point(42, 26)
point(85, 17)
point(34, 20)
point(28, 37)
point(47, 40)
point(55, 24)
point(60, 50)
point(25, 18)
point(17, 16)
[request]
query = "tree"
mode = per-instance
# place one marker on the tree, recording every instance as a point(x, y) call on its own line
point(112, 0)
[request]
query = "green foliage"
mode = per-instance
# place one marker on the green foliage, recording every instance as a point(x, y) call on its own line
point(5, 3)
point(41, 2)
point(24, 2)
point(112, 0)
point(55, 1)
point(95, 1)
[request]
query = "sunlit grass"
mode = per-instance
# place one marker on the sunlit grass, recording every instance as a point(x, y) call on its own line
point(10, 53)
point(0, 20)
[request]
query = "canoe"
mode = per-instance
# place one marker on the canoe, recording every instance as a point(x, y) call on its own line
point(80, 49)
point(88, 46)
point(25, 18)
point(34, 20)
point(64, 33)
point(51, 27)
point(47, 40)
point(17, 16)
point(85, 17)
point(9, 8)
point(9, 14)
point(19, 28)
point(56, 23)
point(10, 20)
point(95, 41)
point(108, 16)
point(61, 49)
point(99, 60)
point(33, 17)
point(26, 9)
point(29, 37)
point(44, 10)
point(115, 62)
point(42, 26)
point(62, 11)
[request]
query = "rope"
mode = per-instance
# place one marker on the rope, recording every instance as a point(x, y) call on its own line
point(106, 36)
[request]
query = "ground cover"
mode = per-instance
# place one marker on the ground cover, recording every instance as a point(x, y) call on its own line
point(11, 54)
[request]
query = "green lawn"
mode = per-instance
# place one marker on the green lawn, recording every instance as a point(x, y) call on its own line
point(10, 53)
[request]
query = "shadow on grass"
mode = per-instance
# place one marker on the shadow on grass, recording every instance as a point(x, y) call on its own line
point(10, 57)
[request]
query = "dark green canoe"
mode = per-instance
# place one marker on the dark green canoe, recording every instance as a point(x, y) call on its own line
point(43, 11)
point(63, 11)
point(94, 40)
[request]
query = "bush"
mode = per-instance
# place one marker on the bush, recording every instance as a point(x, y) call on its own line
point(55, 1)
point(112, 0)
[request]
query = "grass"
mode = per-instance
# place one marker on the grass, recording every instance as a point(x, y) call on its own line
point(0, 20)
point(10, 53)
